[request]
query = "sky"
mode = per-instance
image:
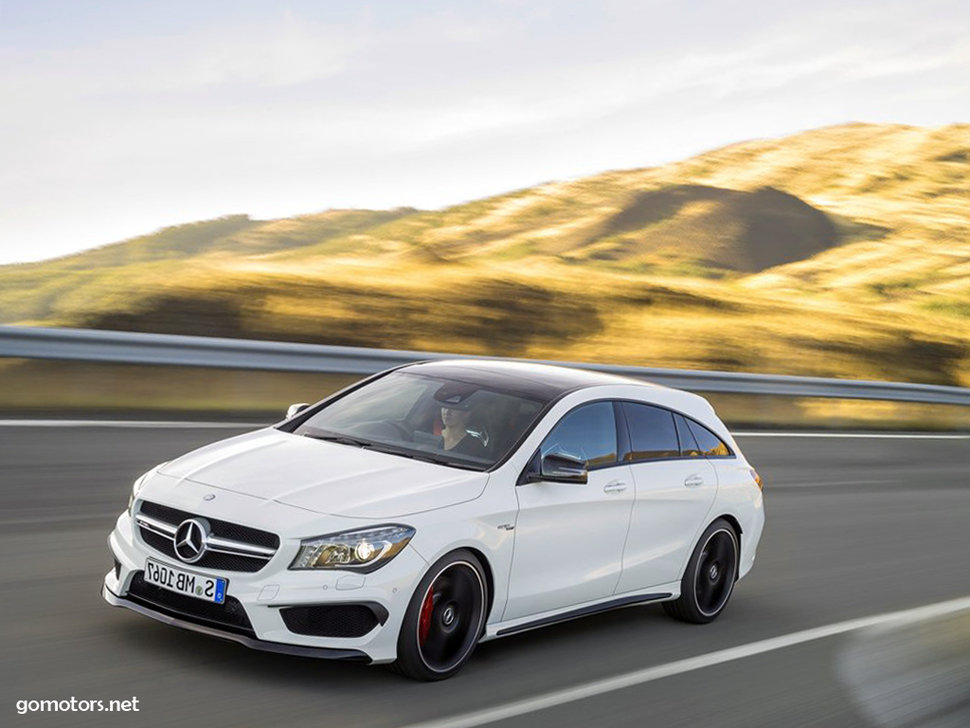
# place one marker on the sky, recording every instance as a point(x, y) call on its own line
point(120, 117)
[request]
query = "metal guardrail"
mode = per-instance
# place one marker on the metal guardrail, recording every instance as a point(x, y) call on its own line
point(200, 351)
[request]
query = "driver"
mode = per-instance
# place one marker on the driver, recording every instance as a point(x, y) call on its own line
point(457, 438)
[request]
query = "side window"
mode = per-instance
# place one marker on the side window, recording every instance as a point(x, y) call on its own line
point(652, 432)
point(710, 444)
point(587, 433)
point(688, 445)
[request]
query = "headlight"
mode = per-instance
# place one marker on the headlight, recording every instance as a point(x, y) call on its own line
point(137, 486)
point(364, 550)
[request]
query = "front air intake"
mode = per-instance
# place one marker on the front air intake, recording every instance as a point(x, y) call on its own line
point(334, 620)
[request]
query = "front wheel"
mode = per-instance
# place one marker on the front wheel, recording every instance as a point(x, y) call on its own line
point(444, 619)
point(710, 576)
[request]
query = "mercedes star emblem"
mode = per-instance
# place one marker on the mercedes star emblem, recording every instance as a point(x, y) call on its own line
point(190, 540)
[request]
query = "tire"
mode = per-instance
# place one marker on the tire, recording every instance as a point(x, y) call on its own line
point(710, 576)
point(444, 620)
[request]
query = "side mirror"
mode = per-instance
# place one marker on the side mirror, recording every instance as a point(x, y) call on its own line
point(294, 409)
point(561, 468)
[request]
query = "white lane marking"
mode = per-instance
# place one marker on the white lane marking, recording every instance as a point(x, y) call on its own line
point(639, 677)
point(130, 423)
point(839, 483)
point(872, 435)
point(56, 519)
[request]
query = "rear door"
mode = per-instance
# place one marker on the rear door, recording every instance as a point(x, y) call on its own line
point(675, 489)
point(569, 536)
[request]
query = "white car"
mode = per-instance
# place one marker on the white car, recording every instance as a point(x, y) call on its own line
point(428, 508)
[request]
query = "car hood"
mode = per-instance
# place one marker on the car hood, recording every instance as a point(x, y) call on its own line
point(326, 477)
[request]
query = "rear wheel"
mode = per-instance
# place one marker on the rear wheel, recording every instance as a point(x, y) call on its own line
point(444, 619)
point(710, 576)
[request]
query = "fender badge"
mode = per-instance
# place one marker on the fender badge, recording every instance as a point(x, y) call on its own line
point(209, 496)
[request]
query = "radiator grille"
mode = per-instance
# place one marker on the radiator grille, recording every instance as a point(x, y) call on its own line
point(223, 529)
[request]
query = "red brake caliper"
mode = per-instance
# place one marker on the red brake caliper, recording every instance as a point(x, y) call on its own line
point(424, 622)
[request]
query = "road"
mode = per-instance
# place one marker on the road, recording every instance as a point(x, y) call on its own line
point(856, 527)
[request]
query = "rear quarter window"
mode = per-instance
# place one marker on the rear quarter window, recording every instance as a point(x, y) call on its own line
point(710, 445)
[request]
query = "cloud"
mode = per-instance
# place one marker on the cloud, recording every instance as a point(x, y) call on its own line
point(286, 52)
point(264, 111)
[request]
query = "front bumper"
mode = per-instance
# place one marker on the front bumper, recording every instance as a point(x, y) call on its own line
point(327, 653)
point(264, 594)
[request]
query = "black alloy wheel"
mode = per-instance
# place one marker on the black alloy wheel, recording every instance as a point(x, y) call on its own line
point(710, 576)
point(444, 619)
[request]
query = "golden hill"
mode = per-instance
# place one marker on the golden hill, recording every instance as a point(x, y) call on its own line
point(841, 251)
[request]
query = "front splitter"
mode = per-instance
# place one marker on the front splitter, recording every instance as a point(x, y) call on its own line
point(324, 653)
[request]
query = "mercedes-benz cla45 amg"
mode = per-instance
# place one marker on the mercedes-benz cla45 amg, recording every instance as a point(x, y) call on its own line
point(435, 506)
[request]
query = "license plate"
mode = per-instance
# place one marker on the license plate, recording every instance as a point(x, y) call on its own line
point(190, 584)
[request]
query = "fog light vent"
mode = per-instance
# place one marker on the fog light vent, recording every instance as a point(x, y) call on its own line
point(334, 620)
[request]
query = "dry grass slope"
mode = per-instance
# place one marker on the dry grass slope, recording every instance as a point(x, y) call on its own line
point(842, 251)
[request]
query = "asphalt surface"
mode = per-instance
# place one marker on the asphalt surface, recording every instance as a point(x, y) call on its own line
point(856, 527)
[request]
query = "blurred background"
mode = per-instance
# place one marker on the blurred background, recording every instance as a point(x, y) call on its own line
point(341, 175)
point(742, 187)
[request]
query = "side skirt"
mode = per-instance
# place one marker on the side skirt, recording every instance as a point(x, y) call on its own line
point(585, 612)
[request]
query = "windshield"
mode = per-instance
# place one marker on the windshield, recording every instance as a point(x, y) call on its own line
point(462, 424)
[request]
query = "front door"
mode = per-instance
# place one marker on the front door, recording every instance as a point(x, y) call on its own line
point(569, 536)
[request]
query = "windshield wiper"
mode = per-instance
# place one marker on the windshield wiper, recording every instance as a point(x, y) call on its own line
point(453, 463)
point(426, 457)
point(342, 439)
point(438, 460)
point(377, 447)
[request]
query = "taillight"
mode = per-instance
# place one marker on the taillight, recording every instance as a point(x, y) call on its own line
point(757, 478)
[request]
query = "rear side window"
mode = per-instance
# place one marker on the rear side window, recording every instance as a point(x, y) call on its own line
point(688, 445)
point(652, 432)
point(710, 444)
point(588, 433)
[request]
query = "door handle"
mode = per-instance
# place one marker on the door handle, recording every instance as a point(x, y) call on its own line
point(693, 480)
point(615, 486)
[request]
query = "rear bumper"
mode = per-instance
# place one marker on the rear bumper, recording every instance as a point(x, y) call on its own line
point(326, 653)
point(752, 528)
